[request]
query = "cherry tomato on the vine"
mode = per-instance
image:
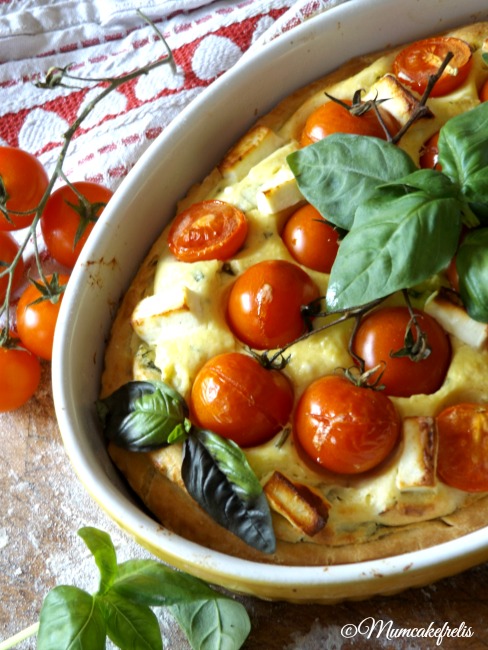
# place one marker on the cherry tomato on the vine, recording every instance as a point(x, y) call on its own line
point(23, 182)
point(311, 240)
point(67, 220)
point(382, 332)
point(462, 460)
point(331, 117)
point(36, 318)
point(8, 251)
point(344, 428)
point(209, 230)
point(265, 304)
point(234, 396)
point(483, 93)
point(20, 373)
point(429, 156)
point(417, 62)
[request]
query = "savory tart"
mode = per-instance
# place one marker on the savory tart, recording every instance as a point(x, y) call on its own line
point(298, 373)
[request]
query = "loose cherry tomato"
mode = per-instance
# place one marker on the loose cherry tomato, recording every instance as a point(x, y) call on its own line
point(462, 460)
point(209, 230)
point(20, 373)
point(311, 240)
point(8, 250)
point(67, 220)
point(36, 318)
point(23, 181)
point(344, 428)
point(417, 62)
point(265, 303)
point(429, 156)
point(331, 117)
point(234, 396)
point(483, 94)
point(382, 332)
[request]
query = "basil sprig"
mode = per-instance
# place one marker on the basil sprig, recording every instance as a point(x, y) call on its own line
point(141, 416)
point(403, 223)
point(121, 608)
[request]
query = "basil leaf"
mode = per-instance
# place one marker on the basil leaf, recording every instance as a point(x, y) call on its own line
point(148, 582)
point(340, 172)
point(463, 152)
point(143, 415)
point(102, 549)
point(434, 183)
point(129, 625)
point(217, 475)
point(70, 618)
point(472, 267)
point(394, 244)
point(220, 624)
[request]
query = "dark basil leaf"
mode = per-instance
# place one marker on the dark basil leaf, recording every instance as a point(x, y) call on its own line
point(70, 618)
point(143, 415)
point(217, 475)
point(394, 244)
point(463, 152)
point(219, 624)
point(340, 172)
point(472, 267)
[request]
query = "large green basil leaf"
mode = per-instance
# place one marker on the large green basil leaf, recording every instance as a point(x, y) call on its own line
point(340, 172)
point(463, 152)
point(395, 244)
point(70, 618)
point(217, 475)
point(472, 267)
point(129, 625)
point(220, 624)
point(143, 415)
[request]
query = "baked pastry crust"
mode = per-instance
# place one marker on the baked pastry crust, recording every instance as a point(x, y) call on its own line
point(155, 476)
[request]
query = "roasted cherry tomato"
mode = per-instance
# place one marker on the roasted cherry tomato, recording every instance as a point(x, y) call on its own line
point(23, 181)
point(8, 250)
point(67, 219)
point(417, 62)
point(344, 428)
point(209, 230)
point(462, 460)
point(36, 319)
point(429, 156)
point(234, 396)
point(265, 304)
point(483, 94)
point(311, 240)
point(331, 117)
point(382, 333)
point(20, 373)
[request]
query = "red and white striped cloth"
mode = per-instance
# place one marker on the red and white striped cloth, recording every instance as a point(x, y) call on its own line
point(107, 38)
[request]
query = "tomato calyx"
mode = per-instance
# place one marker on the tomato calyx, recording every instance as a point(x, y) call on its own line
point(358, 108)
point(50, 289)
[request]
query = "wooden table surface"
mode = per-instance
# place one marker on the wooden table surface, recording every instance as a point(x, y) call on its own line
point(42, 505)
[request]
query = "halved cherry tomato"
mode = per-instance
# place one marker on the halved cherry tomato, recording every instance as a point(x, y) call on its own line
point(382, 332)
point(20, 373)
point(8, 250)
point(67, 220)
point(331, 117)
point(417, 62)
point(483, 94)
point(265, 303)
point(344, 428)
point(234, 396)
point(23, 181)
point(209, 230)
point(311, 240)
point(462, 460)
point(429, 156)
point(36, 318)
